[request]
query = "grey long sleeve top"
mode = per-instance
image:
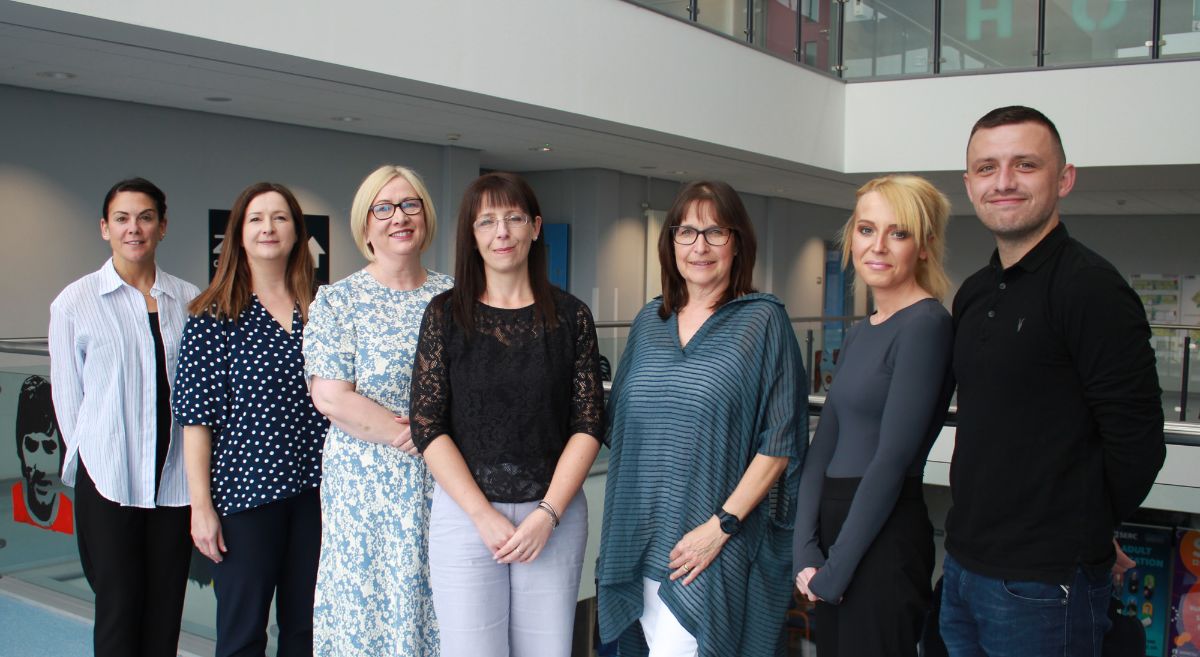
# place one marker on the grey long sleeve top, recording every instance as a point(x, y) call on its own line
point(885, 409)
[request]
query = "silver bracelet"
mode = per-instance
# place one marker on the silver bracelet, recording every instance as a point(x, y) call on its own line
point(548, 508)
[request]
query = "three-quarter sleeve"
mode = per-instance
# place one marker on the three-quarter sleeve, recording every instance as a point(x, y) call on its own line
point(431, 376)
point(201, 386)
point(915, 398)
point(587, 392)
point(329, 338)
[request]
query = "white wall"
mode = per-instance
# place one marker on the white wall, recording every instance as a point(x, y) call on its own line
point(605, 59)
point(61, 153)
point(613, 62)
point(1128, 115)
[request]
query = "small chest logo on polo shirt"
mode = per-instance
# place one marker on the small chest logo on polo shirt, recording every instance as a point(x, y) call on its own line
point(1020, 323)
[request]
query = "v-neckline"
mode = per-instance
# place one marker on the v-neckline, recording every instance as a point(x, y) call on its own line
point(673, 325)
point(275, 320)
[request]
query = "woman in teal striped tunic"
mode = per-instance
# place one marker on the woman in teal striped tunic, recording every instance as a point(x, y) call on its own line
point(708, 433)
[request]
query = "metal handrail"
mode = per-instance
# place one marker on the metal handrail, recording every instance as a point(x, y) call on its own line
point(25, 346)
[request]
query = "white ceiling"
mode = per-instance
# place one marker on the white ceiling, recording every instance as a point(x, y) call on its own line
point(128, 63)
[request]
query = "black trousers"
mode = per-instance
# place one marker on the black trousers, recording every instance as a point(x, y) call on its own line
point(884, 608)
point(272, 551)
point(136, 561)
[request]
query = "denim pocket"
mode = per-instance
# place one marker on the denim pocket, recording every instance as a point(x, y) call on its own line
point(1035, 592)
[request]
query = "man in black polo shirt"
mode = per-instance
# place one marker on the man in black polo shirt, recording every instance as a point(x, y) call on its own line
point(1059, 418)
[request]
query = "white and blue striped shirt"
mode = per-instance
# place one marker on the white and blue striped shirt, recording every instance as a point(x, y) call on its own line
point(103, 381)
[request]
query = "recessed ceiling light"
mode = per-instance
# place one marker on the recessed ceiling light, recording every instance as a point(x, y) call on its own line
point(345, 119)
point(55, 75)
point(453, 136)
point(544, 148)
point(679, 172)
point(218, 99)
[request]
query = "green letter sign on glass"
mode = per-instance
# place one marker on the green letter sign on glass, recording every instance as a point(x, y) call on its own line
point(1001, 12)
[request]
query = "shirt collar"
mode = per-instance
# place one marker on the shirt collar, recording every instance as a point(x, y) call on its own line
point(1039, 254)
point(111, 281)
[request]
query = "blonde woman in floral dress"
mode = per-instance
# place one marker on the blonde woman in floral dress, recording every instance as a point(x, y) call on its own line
point(373, 595)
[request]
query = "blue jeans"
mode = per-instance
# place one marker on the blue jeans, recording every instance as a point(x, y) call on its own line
point(982, 616)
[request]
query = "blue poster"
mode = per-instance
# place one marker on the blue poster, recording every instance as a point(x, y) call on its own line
point(1145, 589)
point(557, 238)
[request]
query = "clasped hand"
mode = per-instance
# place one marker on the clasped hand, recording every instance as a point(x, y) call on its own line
point(403, 440)
point(802, 579)
point(520, 544)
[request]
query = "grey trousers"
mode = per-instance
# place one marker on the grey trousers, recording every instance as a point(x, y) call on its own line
point(488, 609)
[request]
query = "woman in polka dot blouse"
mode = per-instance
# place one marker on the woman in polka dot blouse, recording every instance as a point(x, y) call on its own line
point(252, 437)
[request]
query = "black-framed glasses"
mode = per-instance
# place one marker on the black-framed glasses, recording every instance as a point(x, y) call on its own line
point(715, 236)
point(487, 223)
point(409, 206)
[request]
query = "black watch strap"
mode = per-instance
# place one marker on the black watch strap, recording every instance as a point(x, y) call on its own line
point(729, 522)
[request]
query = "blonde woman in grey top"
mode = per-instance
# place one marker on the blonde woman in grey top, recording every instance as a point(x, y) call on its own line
point(863, 542)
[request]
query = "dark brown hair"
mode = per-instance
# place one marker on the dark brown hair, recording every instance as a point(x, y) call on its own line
point(728, 211)
point(1014, 114)
point(496, 189)
point(139, 186)
point(229, 292)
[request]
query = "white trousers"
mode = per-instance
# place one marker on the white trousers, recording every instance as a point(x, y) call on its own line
point(489, 609)
point(664, 635)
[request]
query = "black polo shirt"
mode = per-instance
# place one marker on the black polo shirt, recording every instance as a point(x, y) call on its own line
point(1060, 426)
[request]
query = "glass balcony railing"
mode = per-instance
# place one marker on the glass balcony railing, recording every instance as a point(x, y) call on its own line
point(865, 39)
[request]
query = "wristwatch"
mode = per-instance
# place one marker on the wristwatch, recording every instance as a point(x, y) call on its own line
point(729, 522)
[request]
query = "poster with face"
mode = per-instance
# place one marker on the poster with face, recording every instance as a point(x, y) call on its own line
point(37, 496)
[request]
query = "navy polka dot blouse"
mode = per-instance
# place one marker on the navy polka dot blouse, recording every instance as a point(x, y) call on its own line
point(245, 380)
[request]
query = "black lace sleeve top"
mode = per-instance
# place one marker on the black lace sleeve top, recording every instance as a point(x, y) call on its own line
point(511, 395)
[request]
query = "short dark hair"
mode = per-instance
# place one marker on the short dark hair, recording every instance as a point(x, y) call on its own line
point(141, 186)
point(497, 188)
point(729, 212)
point(35, 414)
point(1014, 114)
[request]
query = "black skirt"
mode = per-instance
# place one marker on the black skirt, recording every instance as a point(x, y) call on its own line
point(884, 608)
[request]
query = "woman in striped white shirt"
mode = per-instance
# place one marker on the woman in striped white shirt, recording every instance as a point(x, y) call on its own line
point(114, 342)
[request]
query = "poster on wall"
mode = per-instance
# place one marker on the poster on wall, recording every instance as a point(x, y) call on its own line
point(1185, 591)
point(1160, 296)
point(833, 331)
point(1144, 590)
point(318, 242)
point(1189, 300)
point(38, 496)
point(558, 257)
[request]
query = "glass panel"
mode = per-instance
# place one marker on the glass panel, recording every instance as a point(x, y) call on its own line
point(725, 16)
point(1180, 28)
point(676, 8)
point(1081, 31)
point(979, 34)
point(818, 34)
point(892, 37)
point(775, 26)
point(1170, 353)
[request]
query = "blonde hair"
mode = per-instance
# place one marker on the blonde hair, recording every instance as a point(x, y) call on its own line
point(360, 209)
point(922, 211)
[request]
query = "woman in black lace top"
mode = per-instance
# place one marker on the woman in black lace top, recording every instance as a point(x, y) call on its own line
point(507, 408)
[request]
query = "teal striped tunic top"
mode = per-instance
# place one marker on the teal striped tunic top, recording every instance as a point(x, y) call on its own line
point(685, 422)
